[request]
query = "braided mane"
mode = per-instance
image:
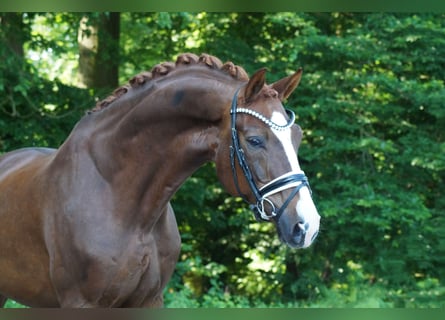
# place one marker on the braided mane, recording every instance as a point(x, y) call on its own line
point(164, 68)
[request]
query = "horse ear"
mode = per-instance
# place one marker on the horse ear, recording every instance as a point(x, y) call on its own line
point(287, 85)
point(255, 84)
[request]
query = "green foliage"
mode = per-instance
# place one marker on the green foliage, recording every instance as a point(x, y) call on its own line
point(371, 104)
point(372, 110)
point(13, 304)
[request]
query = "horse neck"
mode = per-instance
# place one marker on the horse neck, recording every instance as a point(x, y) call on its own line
point(164, 137)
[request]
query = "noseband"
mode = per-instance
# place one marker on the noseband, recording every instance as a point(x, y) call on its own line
point(295, 180)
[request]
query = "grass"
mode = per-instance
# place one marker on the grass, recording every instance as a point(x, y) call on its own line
point(428, 294)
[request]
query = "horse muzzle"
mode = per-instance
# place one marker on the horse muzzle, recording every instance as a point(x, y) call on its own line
point(298, 226)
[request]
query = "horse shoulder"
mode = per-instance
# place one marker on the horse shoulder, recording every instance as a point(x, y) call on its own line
point(21, 238)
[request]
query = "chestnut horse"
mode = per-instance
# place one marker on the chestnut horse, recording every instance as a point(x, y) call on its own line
point(90, 224)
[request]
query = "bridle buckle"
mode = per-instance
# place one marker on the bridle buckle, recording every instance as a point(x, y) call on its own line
point(261, 210)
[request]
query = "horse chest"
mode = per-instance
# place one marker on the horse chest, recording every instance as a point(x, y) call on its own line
point(132, 276)
point(111, 266)
point(106, 274)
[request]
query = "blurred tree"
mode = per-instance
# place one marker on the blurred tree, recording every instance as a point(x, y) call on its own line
point(34, 111)
point(98, 39)
point(14, 32)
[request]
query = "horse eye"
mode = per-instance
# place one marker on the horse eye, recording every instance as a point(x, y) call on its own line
point(256, 142)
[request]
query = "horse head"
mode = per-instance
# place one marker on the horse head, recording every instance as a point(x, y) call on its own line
point(263, 141)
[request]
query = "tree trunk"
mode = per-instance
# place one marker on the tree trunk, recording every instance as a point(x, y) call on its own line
point(13, 33)
point(98, 40)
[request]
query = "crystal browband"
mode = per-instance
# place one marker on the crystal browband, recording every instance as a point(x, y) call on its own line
point(267, 121)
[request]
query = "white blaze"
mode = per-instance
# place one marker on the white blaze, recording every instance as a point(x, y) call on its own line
point(305, 206)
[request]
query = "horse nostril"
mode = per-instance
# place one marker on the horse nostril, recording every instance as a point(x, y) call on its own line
point(303, 226)
point(300, 229)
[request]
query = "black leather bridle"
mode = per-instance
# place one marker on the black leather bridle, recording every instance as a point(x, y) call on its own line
point(295, 180)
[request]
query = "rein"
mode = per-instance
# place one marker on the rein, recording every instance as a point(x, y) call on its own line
point(296, 180)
